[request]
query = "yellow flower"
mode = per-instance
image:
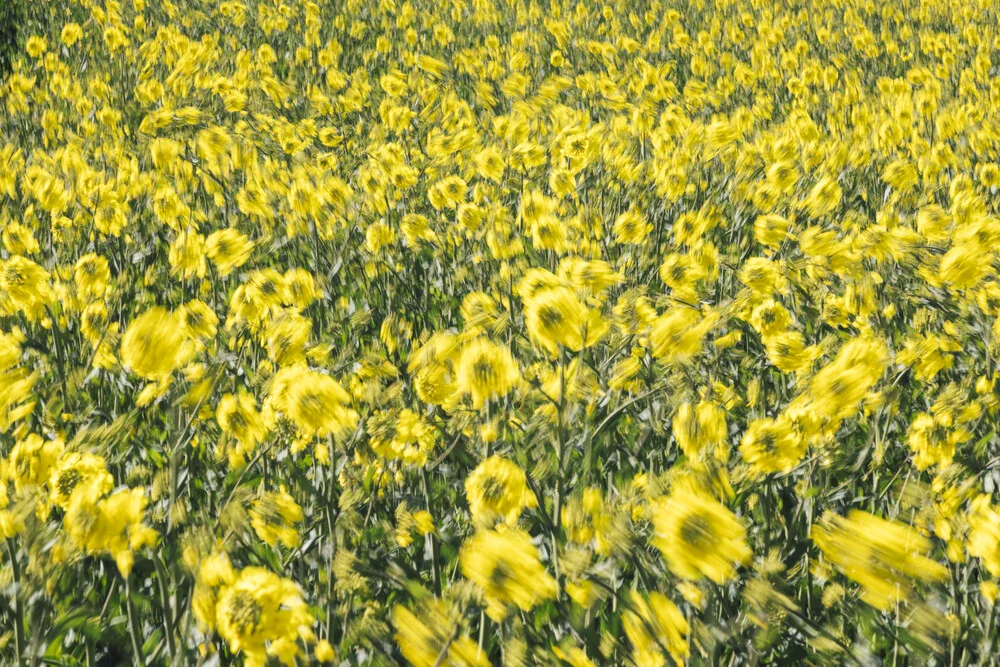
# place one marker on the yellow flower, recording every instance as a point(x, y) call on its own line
point(287, 336)
point(198, 320)
point(423, 638)
point(112, 525)
point(583, 592)
point(19, 239)
point(448, 193)
point(594, 276)
point(989, 175)
point(885, 557)
point(763, 276)
point(772, 446)
point(479, 312)
point(92, 276)
point(770, 318)
point(624, 372)
point(771, 230)
point(262, 615)
point(239, 419)
point(549, 232)
point(416, 229)
point(692, 593)
point(989, 590)
point(788, 352)
point(153, 345)
point(187, 255)
point(984, 533)
point(497, 490)
point(656, 627)
point(213, 572)
point(838, 387)
point(404, 436)
point(490, 164)
point(379, 236)
point(587, 521)
point(71, 33)
point(505, 565)
point(555, 317)
point(928, 354)
point(36, 46)
point(301, 288)
point(314, 401)
point(26, 284)
point(78, 470)
point(486, 371)
point(273, 517)
point(324, 652)
point(933, 438)
point(562, 182)
point(933, 223)
point(698, 536)
point(677, 334)
point(701, 429)
point(228, 249)
point(424, 522)
point(631, 228)
point(824, 197)
point(255, 201)
point(901, 175)
point(33, 459)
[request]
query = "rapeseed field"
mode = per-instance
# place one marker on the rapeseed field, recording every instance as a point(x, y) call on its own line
point(500, 332)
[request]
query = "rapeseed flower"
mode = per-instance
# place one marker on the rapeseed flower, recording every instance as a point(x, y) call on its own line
point(486, 371)
point(497, 491)
point(886, 558)
point(698, 536)
point(657, 630)
point(505, 565)
point(261, 615)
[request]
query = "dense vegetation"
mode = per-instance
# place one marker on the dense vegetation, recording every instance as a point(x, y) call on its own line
point(520, 333)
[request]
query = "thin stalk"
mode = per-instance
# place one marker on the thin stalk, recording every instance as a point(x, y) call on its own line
point(331, 524)
point(60, 358)
point(18, 609)
point(168, 624)
point(443, 653)
point(133, 630)
point(987, 648)
point(560, 441)
point(482, 628)
point(435, 566)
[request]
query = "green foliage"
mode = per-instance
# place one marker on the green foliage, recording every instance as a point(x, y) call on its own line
point(11, 17)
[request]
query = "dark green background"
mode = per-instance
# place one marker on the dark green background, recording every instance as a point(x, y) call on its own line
point(18, 19)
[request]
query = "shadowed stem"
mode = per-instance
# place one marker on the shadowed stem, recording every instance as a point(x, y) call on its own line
point(133, 630)
point(18, 609)
point(60, 358)
point(435, 566)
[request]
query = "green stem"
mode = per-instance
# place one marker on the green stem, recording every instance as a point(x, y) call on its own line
point(482, 627)
point(133, 630)
point(987, 649)
point(331, 523)
point(435, 566)
point(443, 653)
point(560, 442)
point(18, 609)
point(60, 358)
point(168, 624)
